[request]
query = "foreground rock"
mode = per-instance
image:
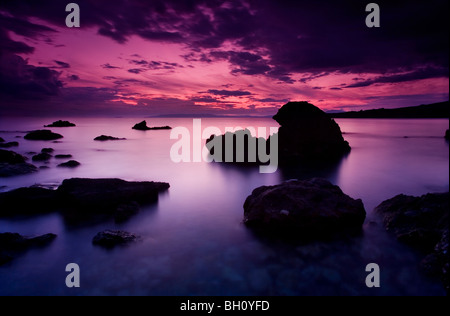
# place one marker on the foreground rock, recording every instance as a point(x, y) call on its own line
point(43, 135)
point(143, 127)
point(308, 134)
point(447, 135)
point(110, 238)
point(304, 209)
point(79, 197)
point(104, 138)
point(42, 157)
point(9, 145)
point(2, 140)
point(12, 164)
point(11, 245)
point(61, 124)
point(423, 223)
point(70, 164)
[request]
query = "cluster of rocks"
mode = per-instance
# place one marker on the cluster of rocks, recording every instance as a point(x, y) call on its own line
point(4, 144)
point(13, 164)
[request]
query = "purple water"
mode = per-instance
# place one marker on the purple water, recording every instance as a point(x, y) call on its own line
point(194, 242)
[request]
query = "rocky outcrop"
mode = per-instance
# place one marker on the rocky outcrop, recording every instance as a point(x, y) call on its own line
point(9, 145)
point(303, 209)
point(308, 134)
point(142, 126)
point(114, 197)
point(43, 135)
point(13, 164)
point(63, 156)
point(61, 124)
point(104, 138)
point(2, 140)
point(42, 157)
point(423, 223)
point(110, 238)
point(12, 245)
point(70, 164)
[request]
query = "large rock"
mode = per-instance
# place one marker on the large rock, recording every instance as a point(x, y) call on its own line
point(107, 194)
point(9, 145)
point(13, 164)
point(2, 140)
point(105, 138)
point(110, 238)
point(308, 134)
point(447, 135)
point(43, 135)
point(33, 200)
point(423, 223)
point(304, 209)
point(12, 245)
point(142, 126)
point(61, 124)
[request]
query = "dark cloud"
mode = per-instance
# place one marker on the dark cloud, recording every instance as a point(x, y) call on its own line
point(229, 93)
point(108, 66)
point(136, 71)
point(153, 65)
point(421, 73)
point(272, 100)
point(61, 64)
point(74, 77)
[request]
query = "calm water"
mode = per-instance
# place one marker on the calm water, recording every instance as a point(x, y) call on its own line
point(194, 242)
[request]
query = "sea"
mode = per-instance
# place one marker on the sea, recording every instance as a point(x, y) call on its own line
point(193, 240)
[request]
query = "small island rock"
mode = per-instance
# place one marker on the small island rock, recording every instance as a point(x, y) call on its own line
point(43, 135)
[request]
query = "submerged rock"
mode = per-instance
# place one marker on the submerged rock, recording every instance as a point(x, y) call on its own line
point(12, 164)
point(111, 238)
point(43, 135)
point(303, 209)
point(42, 157)
point(61, 124)
point(9, 145)
point(143, 127)
point(70, 164)
point(12, 245)
point(104, 138)
point(423, 223)
point(308, 134)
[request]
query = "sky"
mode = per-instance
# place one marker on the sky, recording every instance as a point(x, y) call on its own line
point(234, 57)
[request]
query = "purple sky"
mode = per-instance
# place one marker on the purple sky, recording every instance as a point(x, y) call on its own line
point(239, 57)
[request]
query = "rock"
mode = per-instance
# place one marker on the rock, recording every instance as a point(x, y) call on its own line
point(63, 156)
point(104, 138)
point(143, 127)
point(47, 150)
point(70, 164)
point(110, 238)
point(423, 223)
point(42, 135)
point(310, 209)
point(9, 145)
point(2, 140)
point(447, 135)
point(33, 200)
point(61, 124)
point(42, 157)
point(106, 195)
point(11, 157)
point(308, 134)
point(13, 164)
point(160, 128)
point(12, 244)
point(125, 211)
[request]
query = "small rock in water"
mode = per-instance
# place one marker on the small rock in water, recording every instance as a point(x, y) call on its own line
point(42, 135)
point(9, 145)
point(61, 123)
point(47, 150)
point(70, 164)
point(110, 238)
point(104, 138)
point(42, 157)
point(63, 156)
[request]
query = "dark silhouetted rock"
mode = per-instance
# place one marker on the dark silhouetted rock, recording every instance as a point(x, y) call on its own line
point(308, 134)
point(33, 200)
point(47, 150)
point(42, 157)
point(9, 145)
point(447, 135)
point(2, 140)
point(42, 135)
point(303, 209)
point(143, 127)
point(12, 245)
point(423, 223)
point(63, 156)
point(104, 138)
point(12, 164)
point(125, 211)
point(106, 195)
point(70, 164)
point(110, 238)
point(61, 124)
